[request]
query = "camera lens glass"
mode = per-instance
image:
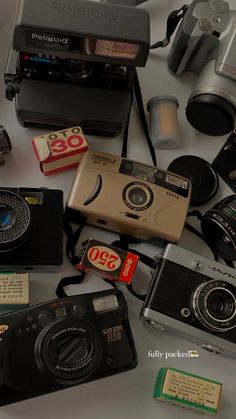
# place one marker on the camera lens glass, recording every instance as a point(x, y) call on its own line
point(220, 304)
point(76, 69)
point(219, 227)
point(15, 220)
point(68, 351)
point(7, 218)
point(137, 196)
point(214, 305)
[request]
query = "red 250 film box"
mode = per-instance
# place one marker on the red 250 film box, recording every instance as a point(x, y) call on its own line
point(60, 150)
point(108, 261)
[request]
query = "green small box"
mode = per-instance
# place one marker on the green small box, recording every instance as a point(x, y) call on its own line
point(188, 390)
point(14, 290)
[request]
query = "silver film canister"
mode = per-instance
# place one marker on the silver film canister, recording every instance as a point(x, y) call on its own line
point(163, 121)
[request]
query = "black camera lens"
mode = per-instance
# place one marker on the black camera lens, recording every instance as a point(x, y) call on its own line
point(214, 304)
point(219, 227)
point(15, 220)
point(220, 304)
point(138, 196)
point(68, 351)
point(78, 70)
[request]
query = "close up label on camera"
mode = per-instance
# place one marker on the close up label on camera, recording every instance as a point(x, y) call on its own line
point(48, 40)
point(113, 334)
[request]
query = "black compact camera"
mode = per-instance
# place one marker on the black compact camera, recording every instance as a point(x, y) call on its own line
point(31, 229)
point(73, 63)
point(194, 297)
point(64, 342)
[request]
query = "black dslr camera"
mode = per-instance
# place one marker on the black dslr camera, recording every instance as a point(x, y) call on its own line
point(31, 230)
point(194, 297)
point(62, 343)
point(72, 63)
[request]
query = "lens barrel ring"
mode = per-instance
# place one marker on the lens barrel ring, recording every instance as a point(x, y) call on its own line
point(214, 305)
point(68, 351)
point(16, 220)
point(219, 227)
point(141, 192)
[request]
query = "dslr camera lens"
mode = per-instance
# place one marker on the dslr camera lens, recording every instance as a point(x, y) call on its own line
point(219, 227)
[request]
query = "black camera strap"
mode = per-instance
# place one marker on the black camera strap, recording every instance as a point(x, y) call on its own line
point(139, 100)
point(72, 239)
point(171, 24)
point(123, 243)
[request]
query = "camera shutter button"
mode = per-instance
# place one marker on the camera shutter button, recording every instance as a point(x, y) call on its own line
point(78, 310)
point(204, 24)
point(212, 349)
point(219, 6)
point(43, 318)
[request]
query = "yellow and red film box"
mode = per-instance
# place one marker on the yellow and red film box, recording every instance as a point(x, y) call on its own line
point(60, 150)
point(108, 261)
point(188, 390)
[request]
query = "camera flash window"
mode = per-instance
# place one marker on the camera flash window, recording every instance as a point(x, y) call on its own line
point(107, 303)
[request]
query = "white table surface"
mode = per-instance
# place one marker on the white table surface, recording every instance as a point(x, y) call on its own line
point(126, 395)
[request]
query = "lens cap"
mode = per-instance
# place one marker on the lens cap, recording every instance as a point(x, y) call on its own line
point(210, 114)
point(204, 179)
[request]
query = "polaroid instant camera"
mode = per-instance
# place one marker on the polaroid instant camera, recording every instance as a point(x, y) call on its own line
point(31, 230)
point(72, 62)
point(129, 197)
point(193, 297)
point(63, 343)
point(205, 43)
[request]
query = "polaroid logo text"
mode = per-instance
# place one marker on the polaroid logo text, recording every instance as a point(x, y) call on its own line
point(49, 38)
point(86, 12)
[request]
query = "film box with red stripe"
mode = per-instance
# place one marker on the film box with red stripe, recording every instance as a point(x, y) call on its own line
point(60, 150)
point(108, 261)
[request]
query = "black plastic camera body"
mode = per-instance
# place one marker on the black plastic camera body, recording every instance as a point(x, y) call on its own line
point(194, 297)
point(73, 63)
point(31, 229)
point(63, 343)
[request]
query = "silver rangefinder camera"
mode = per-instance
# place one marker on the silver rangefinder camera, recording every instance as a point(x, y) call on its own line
point(193, 297)
point(205, 44)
